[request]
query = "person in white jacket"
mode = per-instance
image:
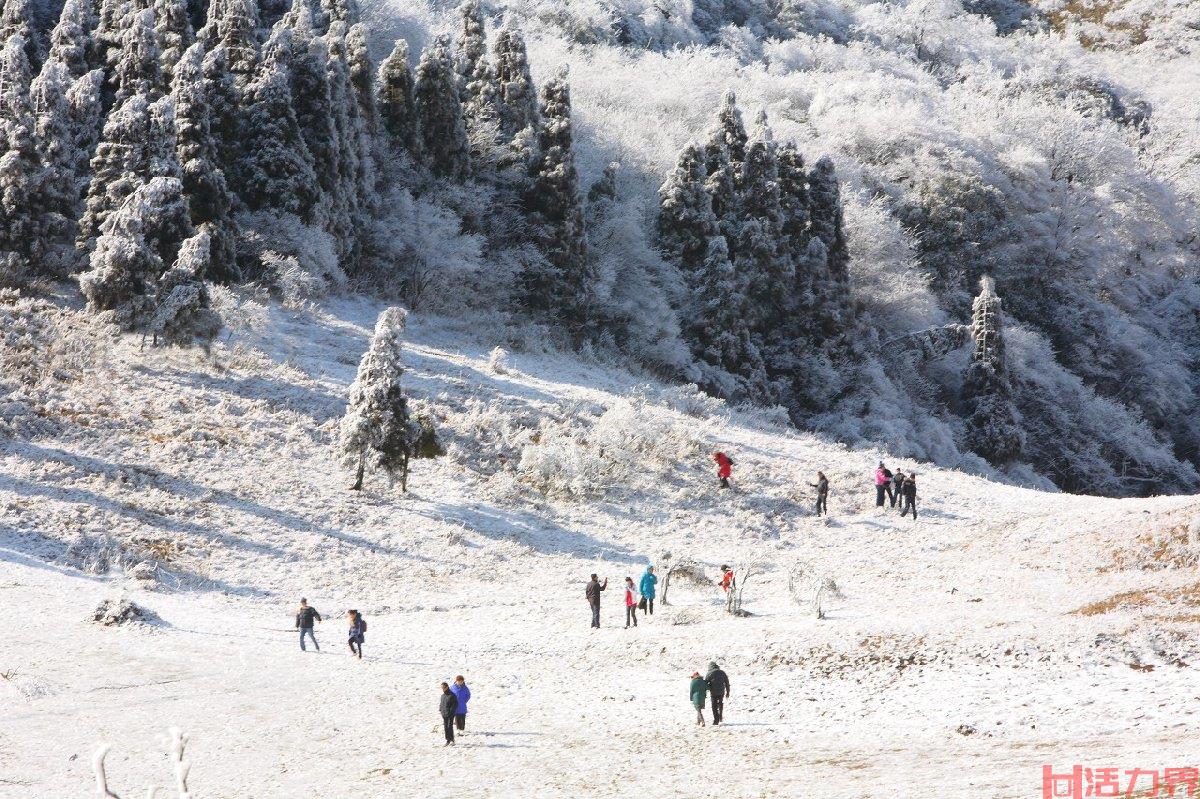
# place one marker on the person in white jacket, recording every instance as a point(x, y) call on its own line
point(631, 600)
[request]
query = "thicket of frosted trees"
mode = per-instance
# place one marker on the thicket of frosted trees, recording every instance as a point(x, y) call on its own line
point(151, 147)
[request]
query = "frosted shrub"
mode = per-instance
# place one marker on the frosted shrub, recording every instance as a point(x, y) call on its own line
point(627, 444)
point(498, 361)
point(302, 258)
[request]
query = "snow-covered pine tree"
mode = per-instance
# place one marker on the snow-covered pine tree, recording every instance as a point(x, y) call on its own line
point(86, 102)
point(138, 143)
point(397, 101)
point(686, 220)
point(730, 131)
point(518, 98)
point(563, 288)
point(16, 19)
point(355, 178)
point(993, 427)
point(182, 310)
point(793, 203)
point(126, 262)
point(346, 12)
point(312, 103)
point(226, 108)
point(721, 186)
point(58, 194)
point(825, 208)
point(71, 42)
point(174, 29)
point(209, 200)
point(233, 26)
point(772, 275)
point(718, 329)
point(138, 70)
point(23, 220)
point(376, 431)
point(478, 86)
point(277, 171)
point(443, 127)
point(362, 76)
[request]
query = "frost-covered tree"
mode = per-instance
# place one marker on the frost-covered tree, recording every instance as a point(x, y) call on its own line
point(362, 75)
point(376, 431)
point(825, 209)
point(518, 98)
point(23, 223)
point(766, 262)
point(564, 284)
point(126, 263)
point(225, 107)
point(717, 326)
point(138, 143)
point(993, 428)
point(793, 204)
point(232, 26)
point(56, 141)
point(397, 100)
point(686, 220)
point(277, 171)
point(139, 70)
point(478, 85)
point(443, 127)
point(730, 131)
point(354, 195)
point(209, 200)
point(182, 310)
point(174, 30)
point(15, 77)
point(71, 42)
point(346, 12)
point(86, 108)
point(16, 19)
point(721, 186)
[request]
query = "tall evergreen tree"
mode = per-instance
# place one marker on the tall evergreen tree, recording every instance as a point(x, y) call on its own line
point(993, 428)
point(686, 220)
point(312, 102)
point(721, 185)
point(443, 128)
point(564, 286)
point(16, 19)
point(793, 203)
point(826, 217)
point(362, 76)
point(138, 144)
point(138, 70)
point(478, 85)
point(346, 12)
point(86, 102)
point(397, 100)
point(23, 220)
point(518, 98)
point(15, 78)
point(763, 258)
point(71, 42)
point(55, 138)
point(204, 185)
point(730, 131)
point(355, 178)
point(277, 171)
point(174, 29)
point(232, 25)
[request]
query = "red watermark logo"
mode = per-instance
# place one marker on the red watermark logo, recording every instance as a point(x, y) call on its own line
point(1081, 783)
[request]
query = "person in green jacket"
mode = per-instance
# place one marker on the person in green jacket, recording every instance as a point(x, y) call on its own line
point(697, 691)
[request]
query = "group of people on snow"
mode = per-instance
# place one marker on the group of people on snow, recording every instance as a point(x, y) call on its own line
point(452, 706)
point(637, 597)
point(894, 488)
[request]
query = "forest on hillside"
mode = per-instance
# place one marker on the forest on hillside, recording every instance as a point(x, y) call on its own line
point(939, 226)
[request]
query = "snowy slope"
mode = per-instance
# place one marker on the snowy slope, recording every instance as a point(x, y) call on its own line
point(1060, 629)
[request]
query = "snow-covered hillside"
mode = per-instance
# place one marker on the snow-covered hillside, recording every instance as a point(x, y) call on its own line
point(1004, 629)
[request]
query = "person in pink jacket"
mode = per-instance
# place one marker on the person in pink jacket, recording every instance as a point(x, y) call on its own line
point(883, 485)
point(631, 600)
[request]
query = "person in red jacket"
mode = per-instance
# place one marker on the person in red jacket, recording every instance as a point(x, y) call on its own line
point(726, 578)
point(631, 601)
point(724, 468)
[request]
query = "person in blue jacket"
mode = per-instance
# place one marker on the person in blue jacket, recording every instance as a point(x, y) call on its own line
point(646, 588)
point(357, 633)
point(462, 693)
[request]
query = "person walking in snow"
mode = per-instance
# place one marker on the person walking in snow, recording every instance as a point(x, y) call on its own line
point(727, 582)
point(724, 468)
point(357, 633)
point(910, 496)
point(448, 708)
point(462, 695)
point(697, 690)
point(647, 588)
point(897, 486)
point(592, 592)
point(883, 485)
point(718, 689)
point(822, 486)
point(304, 623)
point(631, 600)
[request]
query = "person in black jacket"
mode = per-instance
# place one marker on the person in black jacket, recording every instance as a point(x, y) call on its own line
point(822, 486)
point(897, 487)
point(304, 623)
point(448, 706)
point(910, 496)
point(357, 634)
point(592, 592)
point(718, 691)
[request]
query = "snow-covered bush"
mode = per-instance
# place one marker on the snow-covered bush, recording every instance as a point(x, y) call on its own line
point(498, 361)
point(297, 260)
point(626, 445)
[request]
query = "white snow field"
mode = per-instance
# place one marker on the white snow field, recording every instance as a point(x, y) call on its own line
point(1003, 630)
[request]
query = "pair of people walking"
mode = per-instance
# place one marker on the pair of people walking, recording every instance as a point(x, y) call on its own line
point(452, 706)
point(307, 615)
point(714, 685)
